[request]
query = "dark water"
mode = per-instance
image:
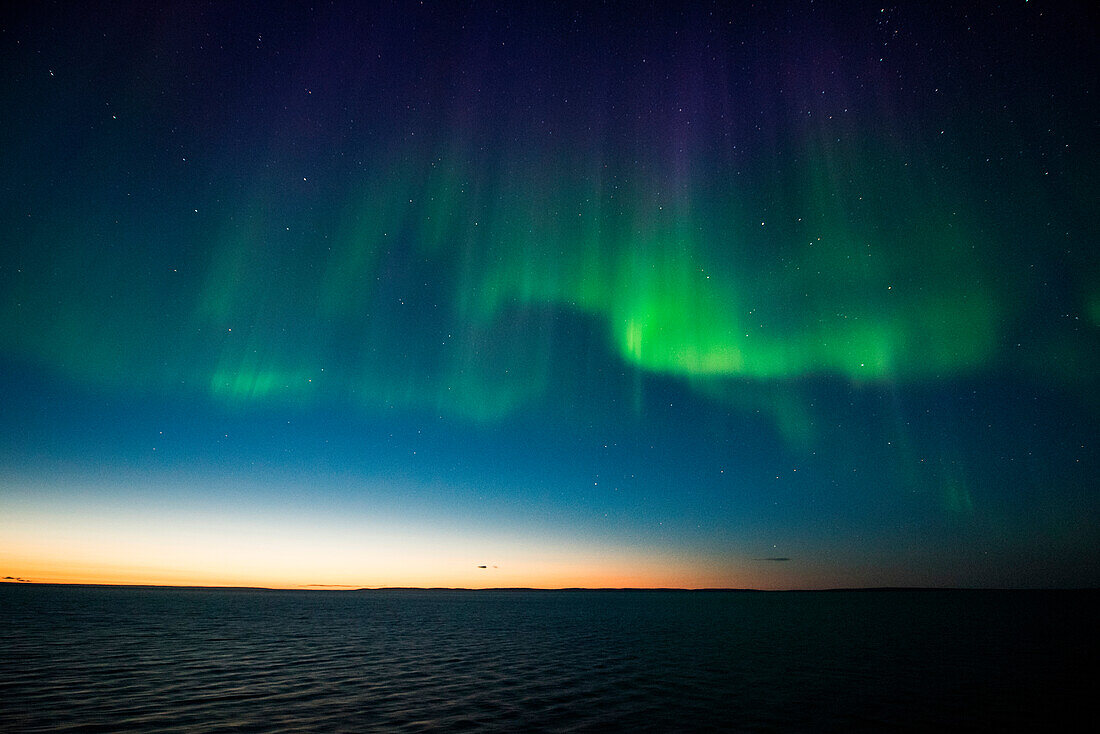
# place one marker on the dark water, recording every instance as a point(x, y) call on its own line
point(135, 659)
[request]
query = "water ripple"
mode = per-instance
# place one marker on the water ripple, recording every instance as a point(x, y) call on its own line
point(117, 659)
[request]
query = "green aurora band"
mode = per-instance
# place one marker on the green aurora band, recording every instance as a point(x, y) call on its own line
point(457, 258)
point(434, 284)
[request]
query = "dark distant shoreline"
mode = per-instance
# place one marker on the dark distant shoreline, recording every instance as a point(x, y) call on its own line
point(569, 589)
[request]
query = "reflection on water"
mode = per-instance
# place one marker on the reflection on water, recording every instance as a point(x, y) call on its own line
point(118, 658)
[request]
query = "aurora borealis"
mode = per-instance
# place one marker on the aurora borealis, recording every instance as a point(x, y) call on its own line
point(589, 296)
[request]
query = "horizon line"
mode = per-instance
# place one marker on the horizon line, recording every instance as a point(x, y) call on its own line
point(349, 588)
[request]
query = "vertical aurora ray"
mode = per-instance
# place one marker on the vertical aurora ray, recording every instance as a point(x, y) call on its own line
point(876, 279)
point(821, 252)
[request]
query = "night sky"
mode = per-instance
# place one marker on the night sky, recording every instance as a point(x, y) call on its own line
point(469, 294)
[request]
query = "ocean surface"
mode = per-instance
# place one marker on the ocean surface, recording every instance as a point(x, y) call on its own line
point(85, 658)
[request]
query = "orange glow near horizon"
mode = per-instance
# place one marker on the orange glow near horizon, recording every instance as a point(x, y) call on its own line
point(311, 565)
point(554, 573)
point(133, 542)
point(180, 566)
point(553, 578)
point(181, 551)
